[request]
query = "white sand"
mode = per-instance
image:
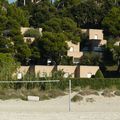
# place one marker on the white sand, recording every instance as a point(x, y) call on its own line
point(57, 109)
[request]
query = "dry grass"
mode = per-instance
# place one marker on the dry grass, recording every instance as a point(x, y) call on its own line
point(23, 93)
point(90, 100)
point(88, 92)
point(107, 93)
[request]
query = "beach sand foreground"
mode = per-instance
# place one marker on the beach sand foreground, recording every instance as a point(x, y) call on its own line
point(57, 109)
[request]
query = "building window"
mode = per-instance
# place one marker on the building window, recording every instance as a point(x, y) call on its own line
point(28, 40)
point(76, 60)
point(96, 36)
point(71, 49)
point(66, 75)
point(89, 75)
point(19, 75)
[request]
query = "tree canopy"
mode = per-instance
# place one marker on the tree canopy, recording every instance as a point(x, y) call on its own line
point(61, 21)
point(111, 22)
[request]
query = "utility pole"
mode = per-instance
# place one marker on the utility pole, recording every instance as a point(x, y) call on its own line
point(69, 95)
point(24, 2)
point(115, 2)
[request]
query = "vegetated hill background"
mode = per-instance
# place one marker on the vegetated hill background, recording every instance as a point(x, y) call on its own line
point(61, 21)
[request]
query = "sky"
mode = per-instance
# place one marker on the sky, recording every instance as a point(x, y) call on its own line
point(14, 0)
point(11, 1)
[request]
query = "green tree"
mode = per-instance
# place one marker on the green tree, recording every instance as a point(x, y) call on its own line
point(11, 40)
point(91, 59)
point(41, 12)
point(32, 33)
point(116, 55)
point(52, 46)
point(63, 25)
point(87, 14)
point(18, 14)
point(6, 45)
point(111, 22)
point(8, 66)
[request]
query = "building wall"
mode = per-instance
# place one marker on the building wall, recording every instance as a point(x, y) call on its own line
point(43, 71)
point(75, 54)
point(31, 39)
point(117, 43)
point(85, 70)
point(72, 71)
point(24, 29)
point(69, 70)
point(23, 69)
point(74, 50)
point(103, 42)
point(86, 31)
point(75, 46)
point(95, 32)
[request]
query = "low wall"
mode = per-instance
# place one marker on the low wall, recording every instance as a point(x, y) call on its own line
point(73, 71)
point(85, 71)
point(23, 69)
point(43, 71)
point(69, 70)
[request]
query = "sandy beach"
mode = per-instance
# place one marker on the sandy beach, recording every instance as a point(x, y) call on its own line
point(57, 109)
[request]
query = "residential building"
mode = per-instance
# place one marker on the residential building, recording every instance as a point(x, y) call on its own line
point(29, 39)
point(88, 71)
point(74, 52)
point(69, 71)
point(35, 1)
point(117, 43)
point(44, 71)
point(95, 42)
point(24, 2)
point(95, 39)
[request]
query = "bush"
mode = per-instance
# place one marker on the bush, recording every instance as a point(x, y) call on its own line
point(23, 93)
point(90, 100)
point(77, 98)
point(107, 93)
point(88, 92)
point(117, 93)
point(91, 58)
point(99, 74)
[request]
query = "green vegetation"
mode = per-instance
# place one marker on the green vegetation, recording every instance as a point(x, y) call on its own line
point(99, 74)
point(91, 58)
point(107, 93)
point(77, 98)
point(61, 21)
point(8, 66)
point(24, 93)
point(32, 33)
point(88, 92)
point(52, 90)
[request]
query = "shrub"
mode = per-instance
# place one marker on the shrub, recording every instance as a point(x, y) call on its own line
point(88, 92)
point(117, 92)
point(91, 58)
point(90, 100)
point(107, 93)
point(99, 74)
point(77, 98)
